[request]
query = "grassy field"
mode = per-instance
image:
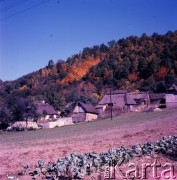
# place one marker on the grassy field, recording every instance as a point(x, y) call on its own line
point(19, 148)
point(84, 128)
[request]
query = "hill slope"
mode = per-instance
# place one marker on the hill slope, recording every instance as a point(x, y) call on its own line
point(147, 63)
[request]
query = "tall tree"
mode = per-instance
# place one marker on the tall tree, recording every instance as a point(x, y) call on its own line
point(50, 63)
point(55, 99)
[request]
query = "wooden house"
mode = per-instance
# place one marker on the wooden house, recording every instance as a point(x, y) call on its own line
point(80, 112)
point(119, 101)
point(142, 100)
point(157, 100)
point(45, 111)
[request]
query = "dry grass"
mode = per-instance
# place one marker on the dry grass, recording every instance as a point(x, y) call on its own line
point(19, 148)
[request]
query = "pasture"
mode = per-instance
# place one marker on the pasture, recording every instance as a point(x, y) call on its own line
point(19, 148)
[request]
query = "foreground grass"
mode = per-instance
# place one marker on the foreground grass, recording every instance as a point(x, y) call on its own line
point(19, 148)
point(130, 119)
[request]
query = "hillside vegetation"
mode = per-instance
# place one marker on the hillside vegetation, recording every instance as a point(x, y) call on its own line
point(146, 63)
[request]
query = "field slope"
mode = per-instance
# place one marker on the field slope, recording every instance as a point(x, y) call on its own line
point(19, 148)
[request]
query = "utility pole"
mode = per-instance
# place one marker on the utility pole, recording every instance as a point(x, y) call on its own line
point(111, 104)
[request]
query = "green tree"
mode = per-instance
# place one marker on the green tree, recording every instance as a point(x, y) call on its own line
point(55, 99)
point(50, 63)
point(5, 117)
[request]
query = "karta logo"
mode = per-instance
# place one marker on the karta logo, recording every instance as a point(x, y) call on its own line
point(135, 171)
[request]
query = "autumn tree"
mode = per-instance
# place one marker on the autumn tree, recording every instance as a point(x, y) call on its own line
point(146, 62)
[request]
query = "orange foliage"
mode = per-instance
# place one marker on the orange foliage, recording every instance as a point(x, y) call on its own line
point(133, 76)
point(23, 88)
point(162, 73)
point(79, 71)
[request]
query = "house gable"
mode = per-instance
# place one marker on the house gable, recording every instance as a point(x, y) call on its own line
point(78, 109)
point(45, 109)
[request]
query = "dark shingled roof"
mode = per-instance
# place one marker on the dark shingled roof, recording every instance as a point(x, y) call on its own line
point(129, 100)
point(88, 108)
point(118, 99)
point(44, 109)
point(99, 106)
point(154, 96)
point(115, 98)
point(138, 95)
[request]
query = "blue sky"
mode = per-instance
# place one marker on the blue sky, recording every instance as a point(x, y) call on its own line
point(34, 31)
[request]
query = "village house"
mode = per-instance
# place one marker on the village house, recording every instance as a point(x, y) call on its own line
point(141, 99)
point(119, 101)
point(80, 112)
point(122, 101)
point(45, 111)
point(157, 100)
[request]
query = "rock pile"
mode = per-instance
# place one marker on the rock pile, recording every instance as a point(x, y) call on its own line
point(77, 166)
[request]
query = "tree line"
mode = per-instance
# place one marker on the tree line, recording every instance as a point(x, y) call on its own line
point(146, 63)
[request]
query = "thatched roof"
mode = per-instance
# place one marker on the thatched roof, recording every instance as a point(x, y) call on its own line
point(114, 99)
point(88, 108)
point(99, 106)
point(139, 96)
point(118, 99)
point(129, 100)
point(44, 109)
point(156, 96)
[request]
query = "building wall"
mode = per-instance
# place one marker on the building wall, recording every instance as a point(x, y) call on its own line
point(107, 113)
point(138, 108)
point(47, 117)
point(65, 121)
point(171, 100)
point(59, 122)
point(90, 117)
point(79, 117)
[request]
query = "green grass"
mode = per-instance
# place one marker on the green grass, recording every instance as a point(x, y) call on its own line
point(84, 128)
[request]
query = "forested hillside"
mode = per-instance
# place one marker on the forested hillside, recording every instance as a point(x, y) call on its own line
point(146, 63)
